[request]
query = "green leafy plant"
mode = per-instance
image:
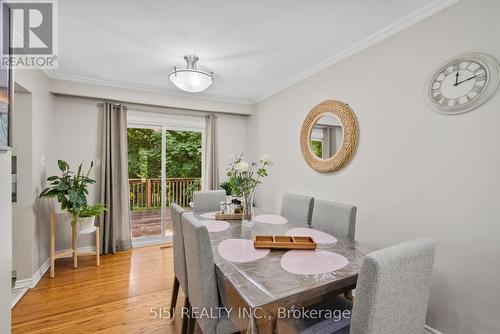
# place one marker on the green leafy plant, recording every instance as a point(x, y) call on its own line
point(70, 188)
point(91, 210)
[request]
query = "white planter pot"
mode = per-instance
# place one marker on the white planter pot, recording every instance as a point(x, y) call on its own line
point(85, 225)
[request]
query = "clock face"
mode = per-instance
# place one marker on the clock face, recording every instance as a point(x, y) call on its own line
point(459, 83)
point(463, 83)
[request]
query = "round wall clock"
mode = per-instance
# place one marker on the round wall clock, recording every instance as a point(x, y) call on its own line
point(463, 83)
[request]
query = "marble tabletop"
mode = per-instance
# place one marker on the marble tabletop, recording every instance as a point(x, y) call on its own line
point(264, 285)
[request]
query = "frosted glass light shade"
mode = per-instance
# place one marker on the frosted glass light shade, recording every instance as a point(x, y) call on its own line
point(191, 80)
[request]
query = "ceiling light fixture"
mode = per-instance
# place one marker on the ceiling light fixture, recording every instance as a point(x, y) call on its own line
point(191, 79)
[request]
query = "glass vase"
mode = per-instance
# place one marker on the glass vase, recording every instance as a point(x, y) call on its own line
point(248, 206)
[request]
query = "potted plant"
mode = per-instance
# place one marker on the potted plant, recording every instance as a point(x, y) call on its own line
point(71, 190)
point(228, 186)
point(86, 217)
point(246, 177)
point(232, 193)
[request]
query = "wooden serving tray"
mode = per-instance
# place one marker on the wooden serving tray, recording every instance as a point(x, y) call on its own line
point(228, 216)
point(283, 242)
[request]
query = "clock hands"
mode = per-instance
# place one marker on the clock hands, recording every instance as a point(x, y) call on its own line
point(456, 79)
point(458, 83)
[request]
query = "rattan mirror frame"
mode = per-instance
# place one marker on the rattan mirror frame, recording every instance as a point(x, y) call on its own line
point(350, 136)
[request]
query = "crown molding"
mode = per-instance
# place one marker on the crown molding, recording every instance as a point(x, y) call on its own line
point(56, 75)
point(371, 40)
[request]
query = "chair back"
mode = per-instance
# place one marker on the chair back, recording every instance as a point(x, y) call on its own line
point(178, 240)
point(208, 201)
point(335, 218)
point(392, 293)
point(297, 207)
point(203, 293)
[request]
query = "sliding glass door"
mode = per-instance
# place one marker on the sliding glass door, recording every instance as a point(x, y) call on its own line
point(165, 166)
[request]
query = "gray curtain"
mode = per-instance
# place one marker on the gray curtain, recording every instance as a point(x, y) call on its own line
point(211, 164)
point(115, 222)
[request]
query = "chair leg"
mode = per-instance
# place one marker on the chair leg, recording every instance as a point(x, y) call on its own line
point(348, 295)
point(191, 322)
point(175, 293)
point(187, 306)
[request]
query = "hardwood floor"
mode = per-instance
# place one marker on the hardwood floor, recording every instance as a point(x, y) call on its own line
point(116, 297)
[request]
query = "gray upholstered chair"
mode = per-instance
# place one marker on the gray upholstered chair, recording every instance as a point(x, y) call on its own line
point(335, 218)
point(208, 201)
point(392, 294)
point(180, 270)
point(202, 282)
point(297, 207)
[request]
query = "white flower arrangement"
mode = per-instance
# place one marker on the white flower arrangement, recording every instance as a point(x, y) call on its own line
point(244, 176)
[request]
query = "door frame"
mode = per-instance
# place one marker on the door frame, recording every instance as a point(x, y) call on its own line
point(164, 123)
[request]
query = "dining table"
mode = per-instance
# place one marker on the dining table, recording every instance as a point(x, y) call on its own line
point(258, 293)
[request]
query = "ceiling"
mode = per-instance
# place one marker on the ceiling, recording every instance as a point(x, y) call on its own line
point(255, 48)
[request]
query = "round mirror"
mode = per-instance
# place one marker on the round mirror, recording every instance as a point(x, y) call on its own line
point(326, 136)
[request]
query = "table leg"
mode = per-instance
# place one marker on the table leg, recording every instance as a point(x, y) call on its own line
point(264, 322)
point(348, 295)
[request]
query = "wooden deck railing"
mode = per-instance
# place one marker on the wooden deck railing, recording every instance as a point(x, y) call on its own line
point(145, 194)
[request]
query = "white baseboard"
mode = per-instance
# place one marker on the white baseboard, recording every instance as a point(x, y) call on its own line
point(430, 330)
point(31, 282)
point(17, 294)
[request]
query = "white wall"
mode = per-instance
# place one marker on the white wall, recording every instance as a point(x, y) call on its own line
point(415, 173)
point(32, 142)
point(231, 138)
point(77, 137)
point(5, 241)
point(23, 214)
point(76, 132)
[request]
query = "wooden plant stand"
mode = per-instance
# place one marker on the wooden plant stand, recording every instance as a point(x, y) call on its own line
point(73, 252)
